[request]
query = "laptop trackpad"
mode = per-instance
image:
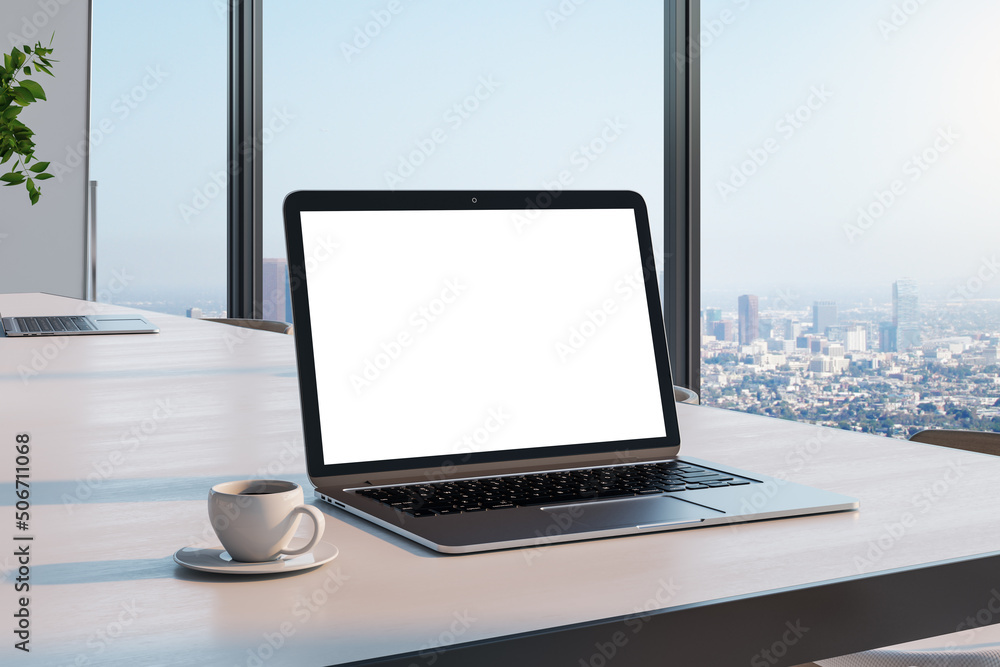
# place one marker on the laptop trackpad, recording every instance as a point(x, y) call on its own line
point(638, 512)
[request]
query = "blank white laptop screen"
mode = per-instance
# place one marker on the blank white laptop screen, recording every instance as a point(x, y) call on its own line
point(451, 332)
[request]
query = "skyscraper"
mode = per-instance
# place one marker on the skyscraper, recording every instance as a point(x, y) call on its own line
point(905, 314)
point(887, 336)
point(748, 319)
point(277, 303)
point(712, 315)
point(824, 315)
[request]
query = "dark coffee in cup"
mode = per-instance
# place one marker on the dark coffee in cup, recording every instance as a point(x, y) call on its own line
point(262, 490)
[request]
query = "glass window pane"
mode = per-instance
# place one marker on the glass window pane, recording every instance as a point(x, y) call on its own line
point(158, 153)
point(848, 159)
point(462, 95)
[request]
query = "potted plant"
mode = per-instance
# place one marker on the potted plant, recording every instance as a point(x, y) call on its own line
point(16, 92)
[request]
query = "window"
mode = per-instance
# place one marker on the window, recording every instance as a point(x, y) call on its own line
point(158, 154)
point(389, 94)
point(847, 222)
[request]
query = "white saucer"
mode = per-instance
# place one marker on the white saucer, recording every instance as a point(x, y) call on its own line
point(218, 560)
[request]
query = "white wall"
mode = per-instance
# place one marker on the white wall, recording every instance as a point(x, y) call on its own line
point(43, 247)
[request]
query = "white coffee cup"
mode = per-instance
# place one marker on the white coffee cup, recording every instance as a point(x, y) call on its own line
point(255, 519)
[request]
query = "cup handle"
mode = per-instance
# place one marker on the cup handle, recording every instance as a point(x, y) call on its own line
point(319, 524)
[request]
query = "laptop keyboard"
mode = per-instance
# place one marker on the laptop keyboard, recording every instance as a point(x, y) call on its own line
point(52, 324)
point(509, 491)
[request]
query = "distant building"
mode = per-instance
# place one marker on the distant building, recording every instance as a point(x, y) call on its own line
point(905, 314)
point(724, 330)
point(765, 328)
point(824, 315)
point(887, 337)
point(748, 321)
point(793, 329)
point(821, 365)
point(783, 346)
point(856, 338)
point(194, 313)
point(710, 317)
point(277, 304)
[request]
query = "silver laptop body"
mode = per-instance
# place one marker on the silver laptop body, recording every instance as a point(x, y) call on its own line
point(76, 325)
point(446, 337)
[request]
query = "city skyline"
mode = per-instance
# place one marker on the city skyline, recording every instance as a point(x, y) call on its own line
point(891, 368)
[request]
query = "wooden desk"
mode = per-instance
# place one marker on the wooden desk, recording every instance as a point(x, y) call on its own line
point(129, 432)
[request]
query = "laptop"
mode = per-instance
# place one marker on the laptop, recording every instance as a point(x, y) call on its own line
point(76, 325)
point(487, 370)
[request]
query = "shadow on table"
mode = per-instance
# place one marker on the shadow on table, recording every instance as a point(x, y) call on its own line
point(102, 571)
point(153, 489)
point(107, 571)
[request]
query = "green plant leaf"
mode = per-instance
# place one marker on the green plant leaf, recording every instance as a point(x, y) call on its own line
point(8, 63)
point(35, 90)
point(23, 96)
point(33, 195)
point(12, 177)
point(39, 166)
point(27, 70)
point(17, 57)
point(43, 68)
point(44, 177)
point(10, 113)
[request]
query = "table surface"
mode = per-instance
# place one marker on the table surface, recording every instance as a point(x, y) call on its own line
point(128, 433)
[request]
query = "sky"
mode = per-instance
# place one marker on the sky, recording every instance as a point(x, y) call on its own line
point(891, 87)
point(158, 135)
point(816, 122)
point(367, 95)
point(489, 95)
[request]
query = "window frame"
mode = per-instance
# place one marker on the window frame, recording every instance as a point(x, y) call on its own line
point(244, 204)
point(681, 234)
